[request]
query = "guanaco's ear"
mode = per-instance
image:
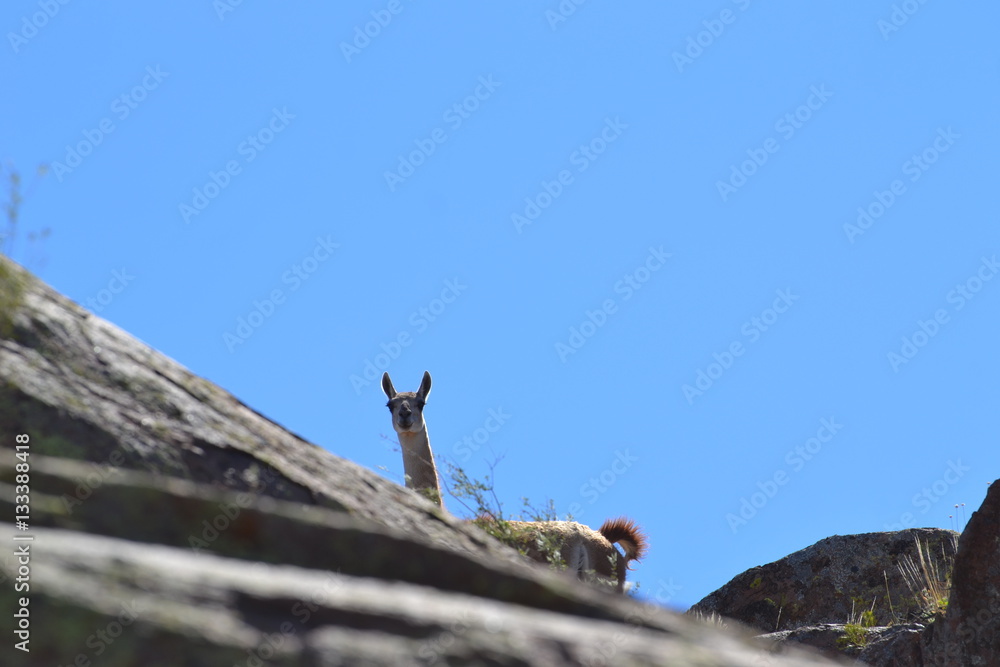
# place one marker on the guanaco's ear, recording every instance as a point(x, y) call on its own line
point(425, 386)
point(387, 387)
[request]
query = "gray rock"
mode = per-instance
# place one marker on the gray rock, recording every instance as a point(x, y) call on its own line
point(144, 508)
point(173, 525)
point(969, 631)
point(896, 646)
point(86, 390)
point(966, 634)
point(826, 638)
point(826, 582)
point(893, 646)
point(118, 602)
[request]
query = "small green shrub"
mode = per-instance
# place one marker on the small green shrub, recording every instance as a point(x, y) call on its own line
point(854, 635)
point(856, 629)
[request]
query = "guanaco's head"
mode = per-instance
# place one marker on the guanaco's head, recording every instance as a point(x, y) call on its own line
point(407, 407)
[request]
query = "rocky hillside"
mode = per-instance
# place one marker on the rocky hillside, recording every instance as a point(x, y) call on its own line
point(171, 524)
point(950, 618)
point(831, 580)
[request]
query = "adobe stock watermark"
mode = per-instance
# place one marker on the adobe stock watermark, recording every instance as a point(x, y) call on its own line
point(973, 632)
point(703, 39)
point(787, 125)
point(930, 495)
point(436, 650)
point(606, 652)
point(454, 116)
point(103, 637)
point(294, 277)
point(562, 12)
point(419, 320)
point(795, 460)
point(30, 25)
point(914, 168)
point(627, 286)
point(898, 17)
point(119, 281)
point(305, 608)
point(249, 149)
point(464, 448)
point(581, 158)
point(213, 528)
point(960, 295)
point(752, 330)
point(94, 479)
point(229, 510)
point(223, 7)
point(599, 484)
point(365, 33)
point(271, 645)
point(122, 107)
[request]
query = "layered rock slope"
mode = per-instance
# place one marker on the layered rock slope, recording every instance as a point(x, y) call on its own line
point(171, 524)
point(810, 596)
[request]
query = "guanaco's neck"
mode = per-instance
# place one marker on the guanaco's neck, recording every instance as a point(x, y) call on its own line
point(418, 462)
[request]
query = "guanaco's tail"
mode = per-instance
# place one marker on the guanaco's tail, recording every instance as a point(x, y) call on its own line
point(627, 533)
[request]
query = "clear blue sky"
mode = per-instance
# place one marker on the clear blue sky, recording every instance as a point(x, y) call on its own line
point(676, 248)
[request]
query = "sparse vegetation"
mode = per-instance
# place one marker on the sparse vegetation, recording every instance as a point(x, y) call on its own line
point(854, 635)
point(11, 281)
point(780, 604)
point(481, 502)
point(713, 619)
point(856, 629)
point(12, 209)
point(929, 577)
point(11, 297)
point(537, 533)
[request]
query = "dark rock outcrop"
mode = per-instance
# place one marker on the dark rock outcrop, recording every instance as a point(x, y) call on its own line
point(828, 581)
point(116, 601)
point(969, 632)
point(84, 389)
point(893, 646)
point(161, 571)
point(174, 525)
point(896, 646)
point(966, 634)
point(826, 638)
